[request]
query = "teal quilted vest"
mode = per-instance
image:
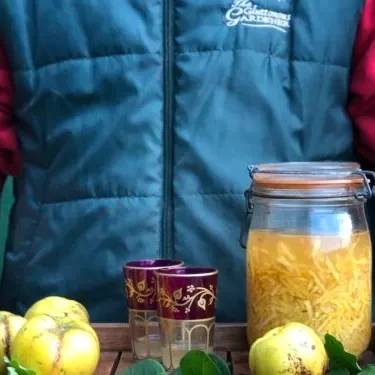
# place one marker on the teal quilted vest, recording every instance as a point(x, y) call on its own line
point(137, 120)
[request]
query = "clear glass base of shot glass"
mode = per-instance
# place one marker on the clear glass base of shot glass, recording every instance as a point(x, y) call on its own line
point(180, 336)
point(145, 334)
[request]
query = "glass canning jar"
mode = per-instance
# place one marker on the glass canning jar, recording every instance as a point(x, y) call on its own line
point(309, 250)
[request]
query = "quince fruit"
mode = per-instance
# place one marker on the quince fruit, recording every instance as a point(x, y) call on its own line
point(61, 308)
point(292, 349)
point(49, 347)
point(10, 324)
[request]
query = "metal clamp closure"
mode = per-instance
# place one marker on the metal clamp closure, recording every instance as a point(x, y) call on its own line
point(249, 207)
point(368, 191)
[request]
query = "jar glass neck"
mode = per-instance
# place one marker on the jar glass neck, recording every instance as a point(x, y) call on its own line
point(314, 193)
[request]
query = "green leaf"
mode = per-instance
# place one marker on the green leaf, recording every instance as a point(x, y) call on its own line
point(368, 370)
point(144, 367)
point(339, 358)
point(176, 371)
point(197, 362)
point(14, 368)
point(221, 364)
point(339, 372)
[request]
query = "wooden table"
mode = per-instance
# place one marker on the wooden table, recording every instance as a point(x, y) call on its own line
point(230, 340)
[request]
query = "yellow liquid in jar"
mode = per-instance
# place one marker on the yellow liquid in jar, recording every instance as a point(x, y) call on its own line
point(321, 281)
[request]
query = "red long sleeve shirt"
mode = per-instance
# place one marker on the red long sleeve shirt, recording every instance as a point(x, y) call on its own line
point(10, 161)
point(361, 103)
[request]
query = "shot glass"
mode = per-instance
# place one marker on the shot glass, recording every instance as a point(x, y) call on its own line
point(140, 287)
point(187, 309)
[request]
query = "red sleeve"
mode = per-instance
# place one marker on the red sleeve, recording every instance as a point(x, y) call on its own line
point(10, 161)
point(361, 105)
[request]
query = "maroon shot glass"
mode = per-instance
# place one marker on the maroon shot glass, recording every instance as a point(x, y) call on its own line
point(186, 299)
point(140, 288)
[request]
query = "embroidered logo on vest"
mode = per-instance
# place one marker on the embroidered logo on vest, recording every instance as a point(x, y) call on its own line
point(246, 13)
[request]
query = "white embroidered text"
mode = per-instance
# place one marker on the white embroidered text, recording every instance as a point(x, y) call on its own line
point(246, 13)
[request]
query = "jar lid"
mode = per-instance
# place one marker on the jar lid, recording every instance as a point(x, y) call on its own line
point(311, 180)
point(307, 175)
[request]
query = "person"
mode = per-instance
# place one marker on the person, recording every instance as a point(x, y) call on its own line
point(136, 122)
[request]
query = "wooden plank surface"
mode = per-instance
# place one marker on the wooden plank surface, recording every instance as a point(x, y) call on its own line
point(230, 343)
point(125, 361)
point(116, 337)
point(240, 363)
point(108, 361)
point(228, 337)
point(111, 363)
point(113, 337)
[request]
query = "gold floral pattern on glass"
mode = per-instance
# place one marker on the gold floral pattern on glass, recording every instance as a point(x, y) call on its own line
point(140, 292)
point(181, 299)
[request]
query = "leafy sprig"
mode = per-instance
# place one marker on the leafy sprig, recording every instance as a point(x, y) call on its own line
point(342, 362)
point(14, 368)
point(195, 362)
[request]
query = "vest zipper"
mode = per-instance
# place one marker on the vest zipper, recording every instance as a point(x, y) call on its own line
point(167, 236)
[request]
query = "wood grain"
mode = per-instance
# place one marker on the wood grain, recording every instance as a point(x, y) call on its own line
point(116, 337)
point(228, 337)
point(106, 363)
point(240, 363)
point(113, 336)
point(230, 341)
point(125, 362)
